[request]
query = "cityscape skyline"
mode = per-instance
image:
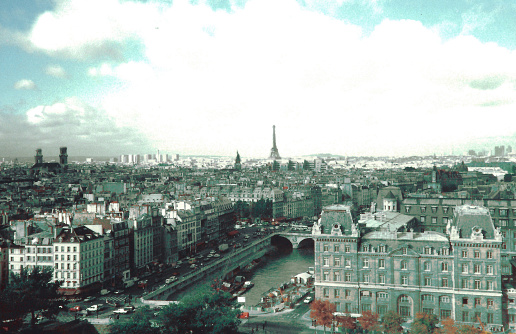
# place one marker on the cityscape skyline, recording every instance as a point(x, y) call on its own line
point(349, 78)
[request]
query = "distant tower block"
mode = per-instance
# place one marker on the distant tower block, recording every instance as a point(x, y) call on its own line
point(63, 156)
point(38, 158)
point(274, 150)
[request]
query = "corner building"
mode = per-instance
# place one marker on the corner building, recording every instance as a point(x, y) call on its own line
point(454, 275)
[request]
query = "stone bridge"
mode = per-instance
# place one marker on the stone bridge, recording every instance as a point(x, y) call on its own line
point(295, 237)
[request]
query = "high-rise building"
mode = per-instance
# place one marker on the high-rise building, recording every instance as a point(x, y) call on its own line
point(274, 150)
point(38, 158)
point(63, 156)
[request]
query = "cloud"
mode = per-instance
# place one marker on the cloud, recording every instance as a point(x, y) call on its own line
point(55, 71)
point(25, 84)
point(83, 129)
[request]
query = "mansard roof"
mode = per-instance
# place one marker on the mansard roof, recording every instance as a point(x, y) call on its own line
point(336, 214)
point(470, 217)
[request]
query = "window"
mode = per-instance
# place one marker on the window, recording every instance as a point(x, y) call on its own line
point(490, 285)
point(326, 248)
point(489, 254)
point(444, 282)
point(404, 251)
point(326, 292)
point(503, 212)
point(347, 294)
point(326, 261)
point(465, 316)
point(445, 314)
point(347, 277)
point(445, 220)
point(382, 295)
point(464, 253)
point(477, 302)
point(434, 209)
point(381, 249)
point(407, 209)
point(434, 220)
point(503, 222)
point(477, 284)
point(490, 303)
point(423, 209)
point(348, 263)
point(336, 293)
point(404, 280)
point(405, 311)
point(381, 263)
point(445, 209)
point(465, 301)
point(346, 249)
point(336, 276)
point(403, 265)
point(423, 218)
point(336, 261)
point(477, 269)
point(444, 266)
point(365, 248)
point(326, 276)
point(427, 298)
point(428, 250)
point(489, 269)
point(365, 263)
point(366, 278)
point(490, 318)
point(427, 266)
point(404, 299)
point(445, 299)
point(477, 254)
point(381, 279)
point(336, 248)
point(464, 268)
point(465, 284)
point(428, 281)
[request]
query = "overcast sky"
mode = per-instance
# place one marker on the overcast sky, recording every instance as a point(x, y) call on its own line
point(350, 77)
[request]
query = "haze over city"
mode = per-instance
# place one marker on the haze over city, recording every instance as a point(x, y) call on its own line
point(110, 77)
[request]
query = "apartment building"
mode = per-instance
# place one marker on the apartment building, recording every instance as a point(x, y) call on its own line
point(455, 275)
point(78, 260)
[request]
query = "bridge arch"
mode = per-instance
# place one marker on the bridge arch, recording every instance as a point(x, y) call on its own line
point(297, 240)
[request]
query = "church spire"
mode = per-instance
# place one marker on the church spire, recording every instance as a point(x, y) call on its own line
point(238, 165)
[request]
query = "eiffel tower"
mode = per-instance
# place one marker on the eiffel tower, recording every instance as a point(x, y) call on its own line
point(274, 150)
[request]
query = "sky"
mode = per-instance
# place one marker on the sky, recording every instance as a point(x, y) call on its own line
point(347, 77)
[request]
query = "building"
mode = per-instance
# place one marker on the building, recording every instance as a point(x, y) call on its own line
point(455, 275)
point(79, 260)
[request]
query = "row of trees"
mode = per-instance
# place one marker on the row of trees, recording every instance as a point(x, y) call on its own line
point(31, 292)
point(207, 311)
point(322, 313)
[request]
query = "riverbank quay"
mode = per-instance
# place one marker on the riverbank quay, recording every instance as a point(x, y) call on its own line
point(225, 267)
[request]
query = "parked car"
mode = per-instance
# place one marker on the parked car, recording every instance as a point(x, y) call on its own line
point(142, 284)
point(76, 308)
point(89, 299)
point(117, 292)
point(171, 279)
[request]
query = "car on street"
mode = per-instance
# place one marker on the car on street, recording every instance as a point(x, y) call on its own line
point(118, 292)
point(193, 266)
point(121, 311)
point(308, 300)
point(88, 299)
point(76, 308)
point(142, 283)
point(94, 308)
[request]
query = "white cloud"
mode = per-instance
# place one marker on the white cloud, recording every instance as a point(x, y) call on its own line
point(25, 84)
point(215, 81)
point(55, 71)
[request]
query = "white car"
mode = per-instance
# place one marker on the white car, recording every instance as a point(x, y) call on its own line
point(308, 300)
point(121, 311)
point(94, 308)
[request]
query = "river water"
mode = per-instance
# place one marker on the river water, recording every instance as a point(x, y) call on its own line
point(273, 270)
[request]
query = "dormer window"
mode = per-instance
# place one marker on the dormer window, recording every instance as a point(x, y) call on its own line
point(404, 251)
point(423, 209)
point(428, 250)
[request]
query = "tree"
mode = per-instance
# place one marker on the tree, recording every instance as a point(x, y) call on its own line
point(207, 311)
point(30, 292)
point(507, 178)
point(322, 312)
point(448, 326)
point(141, 322)
point(369, 321)
point(391, 322)
point(424, 323)
point(346, 321)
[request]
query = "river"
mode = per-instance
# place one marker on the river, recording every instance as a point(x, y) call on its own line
point(281, 266)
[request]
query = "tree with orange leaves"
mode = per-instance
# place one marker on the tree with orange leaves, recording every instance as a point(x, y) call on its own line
point(322, 312)
point(346, 321)
point(369, 321)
